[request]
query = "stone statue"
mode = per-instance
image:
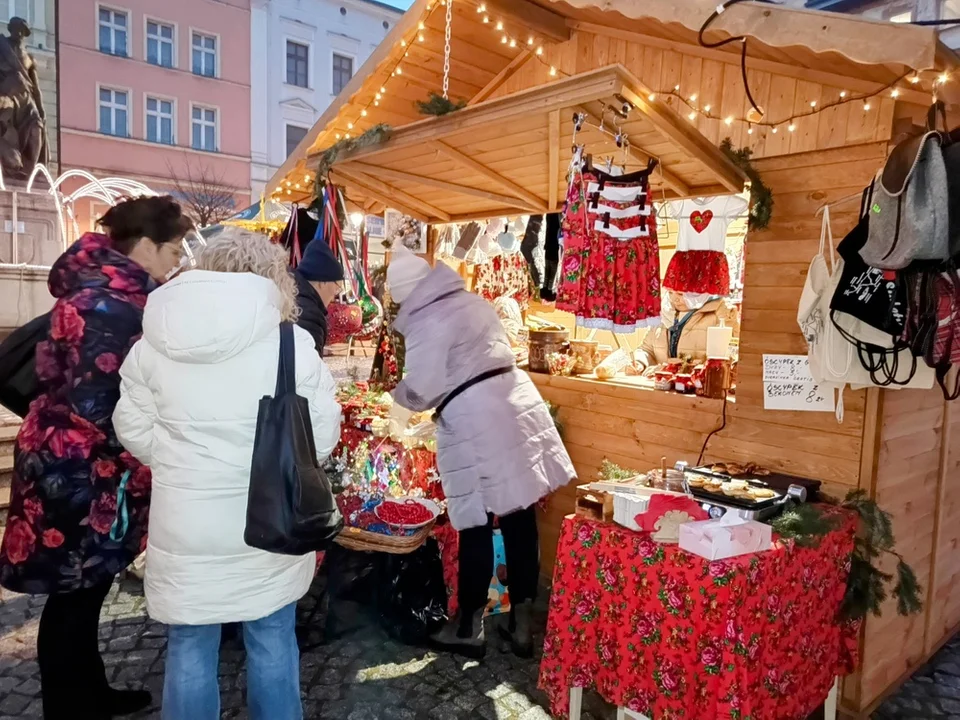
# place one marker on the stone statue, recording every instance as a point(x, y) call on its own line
point(23, 141)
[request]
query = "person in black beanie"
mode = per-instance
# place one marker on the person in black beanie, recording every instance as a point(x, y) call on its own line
point(319, 280)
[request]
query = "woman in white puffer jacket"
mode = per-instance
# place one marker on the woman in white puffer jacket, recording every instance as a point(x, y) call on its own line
point(188, 409)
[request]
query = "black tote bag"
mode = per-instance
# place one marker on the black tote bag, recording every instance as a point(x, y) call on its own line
point(290, 505)
point(18, 365)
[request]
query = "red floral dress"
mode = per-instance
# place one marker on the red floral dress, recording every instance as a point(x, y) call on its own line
point(68, 462)
point(610, 271)
point(504, 275)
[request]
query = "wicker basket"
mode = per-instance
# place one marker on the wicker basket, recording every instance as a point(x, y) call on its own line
point(363, 540)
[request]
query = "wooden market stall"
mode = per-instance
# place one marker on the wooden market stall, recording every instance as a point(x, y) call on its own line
point(836, 91)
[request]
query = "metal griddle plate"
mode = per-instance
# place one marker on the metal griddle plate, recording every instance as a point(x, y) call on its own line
point(721, 499)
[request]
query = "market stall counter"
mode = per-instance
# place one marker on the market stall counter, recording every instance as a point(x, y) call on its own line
point(665, 633)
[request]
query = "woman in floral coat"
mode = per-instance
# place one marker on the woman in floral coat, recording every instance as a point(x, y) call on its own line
point(68, 464)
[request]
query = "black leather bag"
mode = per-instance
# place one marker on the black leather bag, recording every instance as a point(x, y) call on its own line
point(18, 365)
point(290, 506)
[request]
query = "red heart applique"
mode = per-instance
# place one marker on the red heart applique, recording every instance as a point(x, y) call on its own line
point(700, 220)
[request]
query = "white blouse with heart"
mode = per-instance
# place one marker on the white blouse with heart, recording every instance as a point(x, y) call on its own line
point(704, 221)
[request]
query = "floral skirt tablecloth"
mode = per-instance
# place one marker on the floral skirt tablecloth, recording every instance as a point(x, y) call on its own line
point(671, 635)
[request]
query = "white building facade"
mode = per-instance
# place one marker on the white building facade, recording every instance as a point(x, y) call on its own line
point(303, 53)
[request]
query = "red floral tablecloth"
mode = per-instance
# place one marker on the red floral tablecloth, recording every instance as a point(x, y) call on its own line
point(671, 635)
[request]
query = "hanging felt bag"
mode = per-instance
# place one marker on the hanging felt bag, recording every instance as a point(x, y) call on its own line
point(909, 216)
point(290, 505)
point(950, 146)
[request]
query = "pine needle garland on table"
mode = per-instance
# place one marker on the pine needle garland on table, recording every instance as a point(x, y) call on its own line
point(761, 198)
point(868, 584)
point(611, 471)
point(439, 106)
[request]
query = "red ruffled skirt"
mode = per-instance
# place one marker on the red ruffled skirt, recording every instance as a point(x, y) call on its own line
point(698, 271)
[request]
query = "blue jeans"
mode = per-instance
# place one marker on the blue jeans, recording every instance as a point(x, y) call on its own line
point(190, 687)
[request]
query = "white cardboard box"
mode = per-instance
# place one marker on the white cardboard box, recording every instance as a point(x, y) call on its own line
point(725, 538)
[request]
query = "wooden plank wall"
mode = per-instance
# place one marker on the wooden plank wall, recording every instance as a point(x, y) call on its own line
point(917, 454)
point(718, 84)
point(633, 427)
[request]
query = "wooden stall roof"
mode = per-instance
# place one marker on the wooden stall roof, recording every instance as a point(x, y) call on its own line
point(829, 48)
point(510, 155)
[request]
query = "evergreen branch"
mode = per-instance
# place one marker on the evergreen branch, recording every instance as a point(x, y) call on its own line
point(439, 106)
point(611, 471)
point(907, 590)
point(761, 197)
point(805, 524)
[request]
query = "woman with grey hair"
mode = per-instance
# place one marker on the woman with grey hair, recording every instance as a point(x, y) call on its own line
point(188, 409)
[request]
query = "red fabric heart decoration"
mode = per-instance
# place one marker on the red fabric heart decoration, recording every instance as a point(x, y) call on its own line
point(700, 220)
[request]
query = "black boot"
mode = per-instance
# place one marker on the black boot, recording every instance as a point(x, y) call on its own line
point(127, 702)
point(463, 636)
point(519, 629)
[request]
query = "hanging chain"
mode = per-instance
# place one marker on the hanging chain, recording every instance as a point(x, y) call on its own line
point(446, 51)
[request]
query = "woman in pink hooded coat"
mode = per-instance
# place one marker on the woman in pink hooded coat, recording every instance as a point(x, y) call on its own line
point(498, 450)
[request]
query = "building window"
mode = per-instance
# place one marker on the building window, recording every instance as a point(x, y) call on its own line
point(204, 55)
point(204, 129)
point(17, 8)
point(114, 26)
point(294, 135)
point(342, 72)
point(159, 44)
point(114, 112)
point(160, 121)
point(298, 56)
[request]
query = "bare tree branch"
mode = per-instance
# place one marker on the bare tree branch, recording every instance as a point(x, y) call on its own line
point(203, 192)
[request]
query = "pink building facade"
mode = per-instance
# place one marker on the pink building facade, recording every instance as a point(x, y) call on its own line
point(157, 92)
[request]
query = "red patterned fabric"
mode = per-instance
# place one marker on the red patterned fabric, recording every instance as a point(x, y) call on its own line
point(671, 635)
point(504, 275)
point(609, 282)
point(698, 271)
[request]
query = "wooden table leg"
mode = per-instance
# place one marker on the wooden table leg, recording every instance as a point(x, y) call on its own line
point(576, 703)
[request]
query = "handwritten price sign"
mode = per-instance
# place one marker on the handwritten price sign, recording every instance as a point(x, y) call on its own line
point(788, 385)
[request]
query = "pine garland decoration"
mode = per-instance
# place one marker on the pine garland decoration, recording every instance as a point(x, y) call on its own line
point(438, 105)
point(761, 198)
point(611, 471)
point(868, 585)
point(374, 136)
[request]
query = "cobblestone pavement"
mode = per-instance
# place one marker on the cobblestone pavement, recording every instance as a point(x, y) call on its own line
point(365, 675)
point(932, 693)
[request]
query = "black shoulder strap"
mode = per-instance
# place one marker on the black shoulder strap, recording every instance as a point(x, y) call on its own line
point(287, 369)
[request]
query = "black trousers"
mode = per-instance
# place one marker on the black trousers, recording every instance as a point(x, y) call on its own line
point(522, 548)
point(551, 248)
point(72, 677)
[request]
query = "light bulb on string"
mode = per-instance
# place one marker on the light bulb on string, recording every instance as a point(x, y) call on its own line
point(499, 24)
point(530, 41)
point(486, 20)
point(350, 126)
point(843, 93)
point(403, 43)
point(813, 103)
point(866, 106)
point(651, 97)
point(540, 50)
point(791, 127)
point(399, 70)
point(750, 130)
point(728, 121)
point(693, 98)
point(503, 40)
point(347, 136)
point(421, 26)
point(383, 90)
point(482, 8)
point(553, 71)
point(706, 108)
point(339, 136)
point(692, 116)
point(943, 78)
point(420, 37)
point(513, 43)
point(774, 131)
point(914, 79)
point(676, 88)
point(363, 113)
point(894, 93)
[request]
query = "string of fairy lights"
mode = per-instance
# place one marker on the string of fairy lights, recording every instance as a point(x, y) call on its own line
point(689, 105)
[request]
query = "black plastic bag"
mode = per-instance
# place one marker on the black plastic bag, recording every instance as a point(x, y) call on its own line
point(413, 604)
point(18, 365)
